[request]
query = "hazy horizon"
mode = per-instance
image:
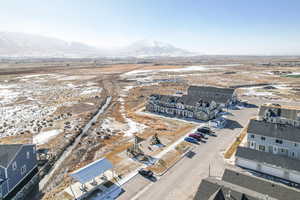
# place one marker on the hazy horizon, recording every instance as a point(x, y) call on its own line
point(214, 27)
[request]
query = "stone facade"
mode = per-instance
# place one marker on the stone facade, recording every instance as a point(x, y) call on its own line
point(201, 103)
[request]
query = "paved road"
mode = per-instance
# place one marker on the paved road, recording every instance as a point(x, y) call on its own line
point(181, 181)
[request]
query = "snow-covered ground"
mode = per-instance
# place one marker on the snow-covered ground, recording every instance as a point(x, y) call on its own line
point(92, 90)
point(183, 69)
point(26, 102)
point(44, 137)
point(254, 92)
point(132, 126)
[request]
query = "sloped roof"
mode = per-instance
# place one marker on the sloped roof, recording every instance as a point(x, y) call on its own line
point(284, 112)
point(279, 131)
point(268, 158)
point(218, 195)
point(243, 187)
point(8, 152)
point(211, 89)
point(260, 185)
point(92, 170)
point(190, 100)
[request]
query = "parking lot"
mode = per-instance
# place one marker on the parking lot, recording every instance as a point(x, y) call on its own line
point(187, 174)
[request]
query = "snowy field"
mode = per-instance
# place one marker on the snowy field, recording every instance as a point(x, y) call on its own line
point(29, 103)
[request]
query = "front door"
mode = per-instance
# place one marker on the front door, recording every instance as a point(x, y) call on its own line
point(275, 149)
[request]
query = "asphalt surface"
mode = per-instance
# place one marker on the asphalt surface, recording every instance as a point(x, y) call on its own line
point(182, 180)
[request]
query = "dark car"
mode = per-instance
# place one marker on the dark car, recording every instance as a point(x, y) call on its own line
point(191, 140)
point(205, 130)
point(146, 173)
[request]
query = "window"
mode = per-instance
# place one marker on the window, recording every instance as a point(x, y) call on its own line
point(14, 165)
point(261, 147)
point(28, 155)
point(23, 170)
point(263, 138)
point(278, 141)
point(252, 136)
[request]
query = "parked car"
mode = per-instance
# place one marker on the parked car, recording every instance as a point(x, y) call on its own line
point(202, 135)
point(146, 173)
point(191, 140)
point(204, 129)
point(196, 136)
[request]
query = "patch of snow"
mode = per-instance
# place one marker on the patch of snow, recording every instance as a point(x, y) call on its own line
point(132, 126)
point(92, 90)
point(253, 92)
point(44, 137)
point(70, 78)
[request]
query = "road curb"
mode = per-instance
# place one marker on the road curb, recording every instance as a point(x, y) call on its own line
point(181, 157)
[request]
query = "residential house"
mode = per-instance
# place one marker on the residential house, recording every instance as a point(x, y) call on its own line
point(242, 186)
point(272, 149)
point(200, 103)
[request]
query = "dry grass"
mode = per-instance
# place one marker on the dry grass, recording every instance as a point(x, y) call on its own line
point(232, 149)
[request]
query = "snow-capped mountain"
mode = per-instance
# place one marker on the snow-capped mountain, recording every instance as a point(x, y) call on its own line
point(28, 45)
point(146, 48)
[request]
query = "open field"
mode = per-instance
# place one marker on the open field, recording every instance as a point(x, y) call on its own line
point(50, 106)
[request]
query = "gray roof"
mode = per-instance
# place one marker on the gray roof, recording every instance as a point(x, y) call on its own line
point(207, 93)
point(192, 98)
point(287, 113)
point(210, 187)
point(268, 158)
point(260, 185)
point(211, 89)
point(8, 152)
point(279, 131)
point(244, 187)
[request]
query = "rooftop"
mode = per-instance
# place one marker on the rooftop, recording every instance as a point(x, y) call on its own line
point(268, 158)
point(8, 152)
point(287, 112)
point(240, 186)
point(279, 131)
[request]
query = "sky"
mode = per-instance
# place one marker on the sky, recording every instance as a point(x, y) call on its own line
point(209, 27)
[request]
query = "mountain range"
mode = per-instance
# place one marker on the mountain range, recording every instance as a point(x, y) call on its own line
point(22, 45)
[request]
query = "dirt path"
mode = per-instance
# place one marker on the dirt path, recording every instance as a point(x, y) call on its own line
point(43, 183)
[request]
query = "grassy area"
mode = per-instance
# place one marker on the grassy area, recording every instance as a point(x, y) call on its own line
point(170, 158)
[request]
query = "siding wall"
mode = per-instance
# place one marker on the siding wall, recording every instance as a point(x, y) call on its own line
point(269, 169)
point(15, 176)
point(270, 143)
